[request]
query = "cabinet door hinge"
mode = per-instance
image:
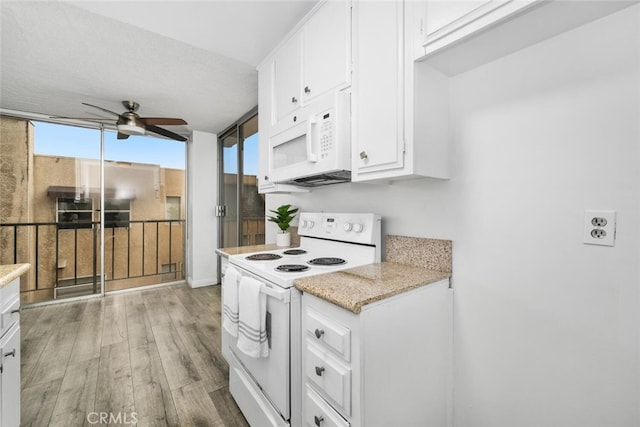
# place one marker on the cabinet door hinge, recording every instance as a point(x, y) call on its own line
point(221, 210)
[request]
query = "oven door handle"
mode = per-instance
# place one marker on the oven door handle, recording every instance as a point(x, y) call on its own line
point(281, 295)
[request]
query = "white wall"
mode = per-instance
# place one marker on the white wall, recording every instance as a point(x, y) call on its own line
point(546, 328)
point(202, 227)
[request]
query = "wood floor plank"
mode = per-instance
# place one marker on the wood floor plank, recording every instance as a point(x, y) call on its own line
point(47, 321)
point(195, 407)
point(152, 395)
point(72, 312)
point(77, 394)
point(115, 320)
point(52, 364)
point(227, 408)
point(138, 325)
point(178, 314)
point(89, 338)
point(205, 356)
point(31, 349)
point(202, 310)
point(156, 311)
point(115, 390)
point(176, 362)
point(37, 403)
point(28, 318)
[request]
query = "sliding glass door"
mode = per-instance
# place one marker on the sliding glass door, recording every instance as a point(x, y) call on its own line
point(242, 208)
point(69, 186)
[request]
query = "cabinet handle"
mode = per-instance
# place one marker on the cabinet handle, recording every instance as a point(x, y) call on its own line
point(363, 155)
point(319, 333)
point(318, 419)
point(17, 310)
point(295, 118)
point(307, 90)
point(319, 370)
point(11, 353)
point(266, 178)
point(294, 100)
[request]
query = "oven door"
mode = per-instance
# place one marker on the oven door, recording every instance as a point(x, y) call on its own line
point(270, 373)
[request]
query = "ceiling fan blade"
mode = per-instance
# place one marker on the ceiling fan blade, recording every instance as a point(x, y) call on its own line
point(122, 135)
point(164, 132)
point(103, 109)
point(162, 121)
point(86, 119)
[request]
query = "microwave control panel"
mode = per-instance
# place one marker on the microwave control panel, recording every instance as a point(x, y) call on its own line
point(325, 133)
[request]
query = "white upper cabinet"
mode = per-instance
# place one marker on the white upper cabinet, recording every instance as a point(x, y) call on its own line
point(399, 108)
point(457, 36)
point(313, 61)
point(326, 50)
point(287, 78)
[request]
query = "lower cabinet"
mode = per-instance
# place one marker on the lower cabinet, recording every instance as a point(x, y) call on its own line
point(10, 354)
point(388, 365)
point(10, 378)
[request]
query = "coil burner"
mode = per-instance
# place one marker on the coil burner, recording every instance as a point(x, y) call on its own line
point(263, 257)
point(294, 252)
point(326, 261)
point(292, 268)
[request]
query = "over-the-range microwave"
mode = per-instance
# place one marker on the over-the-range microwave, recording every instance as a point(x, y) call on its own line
point(317, 150)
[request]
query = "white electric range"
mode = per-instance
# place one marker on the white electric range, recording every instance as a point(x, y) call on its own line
point(268, 390)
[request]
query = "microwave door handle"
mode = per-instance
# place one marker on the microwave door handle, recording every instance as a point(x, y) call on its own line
point(311, 123)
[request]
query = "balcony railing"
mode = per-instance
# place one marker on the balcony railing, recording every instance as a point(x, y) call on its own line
point(66, 261)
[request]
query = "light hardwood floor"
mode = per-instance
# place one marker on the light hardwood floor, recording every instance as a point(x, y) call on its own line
point(151, 356)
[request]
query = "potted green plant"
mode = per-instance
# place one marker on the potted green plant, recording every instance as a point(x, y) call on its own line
point(283, 216)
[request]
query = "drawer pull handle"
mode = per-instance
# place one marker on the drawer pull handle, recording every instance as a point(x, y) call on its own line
point(17, 310)
point(318, 419)
point(319, 370)
point(319, 333)
point(11, 353)
point(294, 100)
point(307, 90)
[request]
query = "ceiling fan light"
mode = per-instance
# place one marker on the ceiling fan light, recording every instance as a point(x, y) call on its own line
point(131, 129)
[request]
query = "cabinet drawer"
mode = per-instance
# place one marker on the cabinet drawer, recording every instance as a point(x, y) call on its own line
point(10, 314)
point(317, 412)
point(331, 376)
point(10, 304)
point(328, 332)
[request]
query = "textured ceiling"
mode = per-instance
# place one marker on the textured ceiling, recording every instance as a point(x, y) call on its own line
point(190, 59)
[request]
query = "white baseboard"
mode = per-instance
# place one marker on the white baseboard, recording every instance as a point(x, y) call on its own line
point(202, 282)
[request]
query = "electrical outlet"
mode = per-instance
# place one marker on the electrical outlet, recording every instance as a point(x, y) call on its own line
point(599, 227)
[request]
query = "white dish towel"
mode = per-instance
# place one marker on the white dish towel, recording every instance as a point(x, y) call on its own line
point(230, 301)
point(252, 324)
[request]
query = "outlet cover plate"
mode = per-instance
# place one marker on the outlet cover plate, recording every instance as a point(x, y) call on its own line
point(599, 227)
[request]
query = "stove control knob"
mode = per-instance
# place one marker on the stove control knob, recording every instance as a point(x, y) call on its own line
point(310, 223)
point(358, 228)
point(347, 226)
point(303, 223)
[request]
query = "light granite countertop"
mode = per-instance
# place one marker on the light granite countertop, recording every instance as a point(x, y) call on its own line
point(247, 249)
point(355, 287)
point(9, 272)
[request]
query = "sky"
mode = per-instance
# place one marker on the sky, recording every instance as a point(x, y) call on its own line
point(72, 141)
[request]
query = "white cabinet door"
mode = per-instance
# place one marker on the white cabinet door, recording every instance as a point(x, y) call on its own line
point(326, 50)
point(10, 386)
point(287, 78)
point(378, 115)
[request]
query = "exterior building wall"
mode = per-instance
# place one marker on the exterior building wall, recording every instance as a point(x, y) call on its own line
point(16, 192)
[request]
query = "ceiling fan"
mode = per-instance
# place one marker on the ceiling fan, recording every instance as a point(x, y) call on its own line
point(130, 123)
